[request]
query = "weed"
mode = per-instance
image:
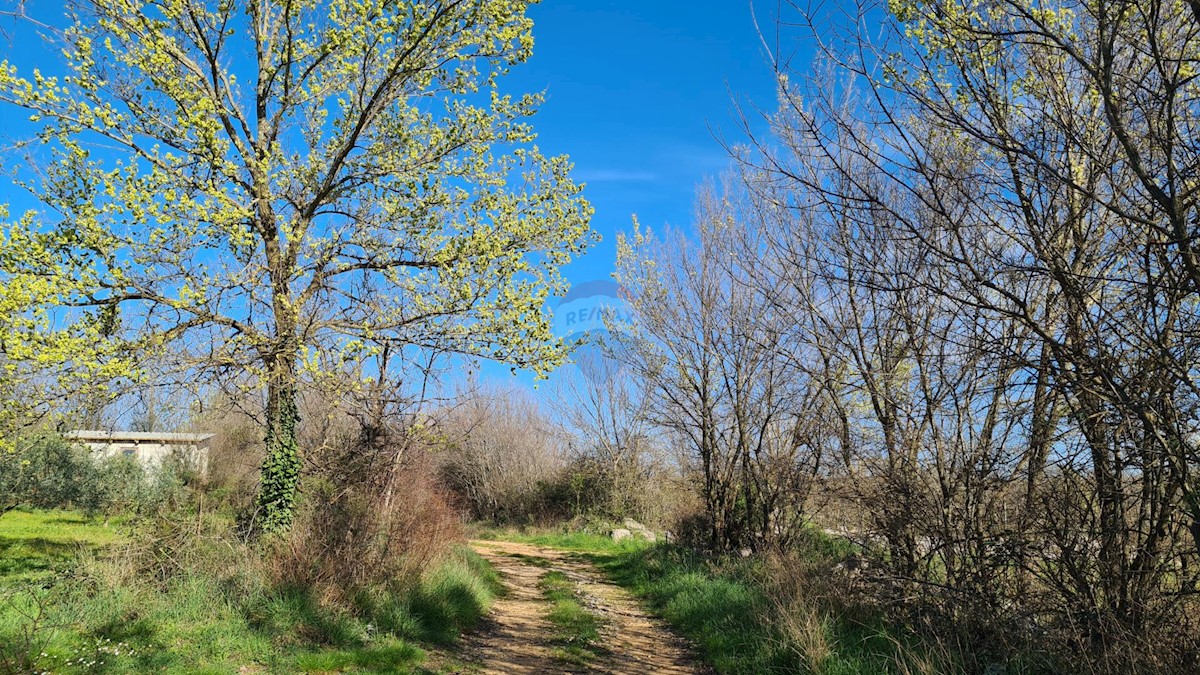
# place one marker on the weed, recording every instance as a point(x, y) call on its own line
point(576, 630)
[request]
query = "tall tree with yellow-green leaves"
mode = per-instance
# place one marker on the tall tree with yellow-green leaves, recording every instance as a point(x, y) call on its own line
point(280, 187)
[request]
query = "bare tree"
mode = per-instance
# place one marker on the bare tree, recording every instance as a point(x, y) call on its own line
point(605, 421)
point(991, 251)
point(713, 353)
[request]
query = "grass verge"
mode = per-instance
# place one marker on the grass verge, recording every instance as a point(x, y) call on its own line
point(720, 610)
point(725, 608)
point(582, 542)
point(36, 544)
point(577, 630)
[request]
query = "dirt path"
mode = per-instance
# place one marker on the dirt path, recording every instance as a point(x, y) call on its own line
point(515, 640)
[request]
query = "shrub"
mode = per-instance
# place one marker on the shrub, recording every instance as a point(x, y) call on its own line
point(51, 473)
point(45, 473)
point(186, 593)
point(121, 485)
point(370, 518)
point(502, 462)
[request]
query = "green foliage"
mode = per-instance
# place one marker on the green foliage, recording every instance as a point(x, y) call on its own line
point(45, 474)
point(212, 607)
point(51, 473)
point(281, 467)
point(121, 485)
point(46, 351)
point(361, 191)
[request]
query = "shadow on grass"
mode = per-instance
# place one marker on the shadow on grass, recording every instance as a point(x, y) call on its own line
point(725, 617)
point(210, 622)
point(24, 557)
point(534, 560)
point(436, 616)
point(724, 610)
point(68, 520)
point(444, 604)
point(116, 636)
point(297, 614)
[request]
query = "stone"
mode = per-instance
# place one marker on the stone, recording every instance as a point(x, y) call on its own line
point(621, 533)
point(634, 525)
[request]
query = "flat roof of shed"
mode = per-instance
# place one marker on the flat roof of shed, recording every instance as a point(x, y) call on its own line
point(156, 437)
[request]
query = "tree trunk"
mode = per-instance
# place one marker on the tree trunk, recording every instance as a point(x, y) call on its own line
point(281, 466)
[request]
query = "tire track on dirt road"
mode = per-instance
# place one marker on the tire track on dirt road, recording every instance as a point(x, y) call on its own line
point(515, 638)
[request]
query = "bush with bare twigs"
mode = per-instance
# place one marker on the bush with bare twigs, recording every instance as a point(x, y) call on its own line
point(502, 459)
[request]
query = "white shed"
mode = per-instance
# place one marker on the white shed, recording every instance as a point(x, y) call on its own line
point(148, 448)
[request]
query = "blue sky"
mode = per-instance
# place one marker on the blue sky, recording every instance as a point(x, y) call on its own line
point(638, 94)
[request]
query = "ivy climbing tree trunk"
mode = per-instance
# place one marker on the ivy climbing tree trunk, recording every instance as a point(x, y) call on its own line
point(281, 465)
point(280, 476)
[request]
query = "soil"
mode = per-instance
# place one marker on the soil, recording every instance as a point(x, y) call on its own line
point(514, 640)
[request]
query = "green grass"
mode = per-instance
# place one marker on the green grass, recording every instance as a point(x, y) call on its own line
point(576, 630)
point(584, 542)
point(446, 602)
point(724, 614)
point(215, 616)
point(36, 544)
point(391, 657)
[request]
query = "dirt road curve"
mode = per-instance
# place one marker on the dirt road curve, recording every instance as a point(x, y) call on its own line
point(514, 640)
